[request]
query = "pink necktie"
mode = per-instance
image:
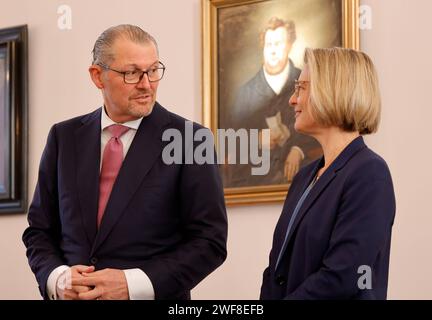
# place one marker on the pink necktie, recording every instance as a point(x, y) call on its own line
point(111, 163)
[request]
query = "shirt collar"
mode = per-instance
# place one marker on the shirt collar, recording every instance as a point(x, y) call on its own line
point(277, 81)
point(106, 121)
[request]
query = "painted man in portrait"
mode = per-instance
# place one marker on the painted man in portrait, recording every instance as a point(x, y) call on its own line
point(262, 103)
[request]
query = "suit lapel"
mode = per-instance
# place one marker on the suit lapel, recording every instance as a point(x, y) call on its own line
point(87, 146)
point(262, 87)
point(323, 182)
point(146, 147)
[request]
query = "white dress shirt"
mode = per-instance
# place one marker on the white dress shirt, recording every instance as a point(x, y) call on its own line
point(277, 81)
point(139, 284)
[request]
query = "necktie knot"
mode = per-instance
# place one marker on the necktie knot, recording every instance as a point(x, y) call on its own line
point(117, 130)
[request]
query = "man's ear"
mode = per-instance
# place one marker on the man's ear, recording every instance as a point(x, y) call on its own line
point(96, 75)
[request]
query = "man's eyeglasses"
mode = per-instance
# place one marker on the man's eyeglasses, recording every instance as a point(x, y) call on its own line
point(154, 74)
point(298, 86)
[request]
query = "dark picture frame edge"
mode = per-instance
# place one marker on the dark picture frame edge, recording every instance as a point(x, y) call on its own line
point(15, 39)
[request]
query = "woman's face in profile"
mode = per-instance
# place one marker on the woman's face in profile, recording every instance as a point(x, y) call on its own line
point(304, 121)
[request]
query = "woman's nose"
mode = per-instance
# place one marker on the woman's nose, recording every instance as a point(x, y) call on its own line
point(293, 100)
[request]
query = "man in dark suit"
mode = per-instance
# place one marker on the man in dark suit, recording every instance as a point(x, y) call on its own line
point(262, 103)
point(109, 218)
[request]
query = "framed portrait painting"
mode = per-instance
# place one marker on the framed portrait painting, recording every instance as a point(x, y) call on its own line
point(13, 119)
point(253, 52)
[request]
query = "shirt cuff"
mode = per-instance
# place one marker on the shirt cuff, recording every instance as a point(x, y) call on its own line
point(299, 150)
point(139, 285)
point(51, 287)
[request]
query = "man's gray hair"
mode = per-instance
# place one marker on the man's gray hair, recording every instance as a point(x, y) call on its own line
point(102, 50)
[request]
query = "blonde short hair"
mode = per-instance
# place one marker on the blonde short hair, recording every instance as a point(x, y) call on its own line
point(344, 89)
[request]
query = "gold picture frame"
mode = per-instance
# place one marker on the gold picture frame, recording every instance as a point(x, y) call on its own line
point(235, 21)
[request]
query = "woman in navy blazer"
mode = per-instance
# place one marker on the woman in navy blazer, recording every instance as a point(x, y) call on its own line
point(332, 240)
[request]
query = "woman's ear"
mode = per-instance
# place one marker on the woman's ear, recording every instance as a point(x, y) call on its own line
point(96, 75)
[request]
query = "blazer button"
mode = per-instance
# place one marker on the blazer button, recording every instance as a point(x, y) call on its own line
point(280, 280)
point(93, 260)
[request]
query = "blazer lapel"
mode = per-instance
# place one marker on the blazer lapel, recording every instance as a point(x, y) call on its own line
point(87, 144)
point(323, 182)
point(143, 152)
